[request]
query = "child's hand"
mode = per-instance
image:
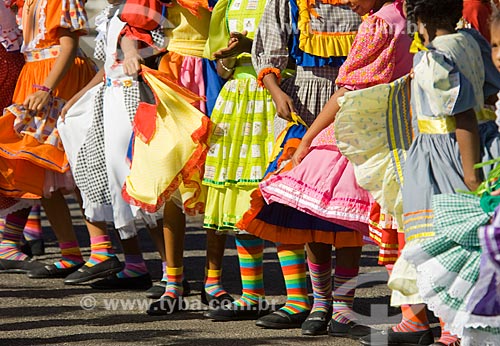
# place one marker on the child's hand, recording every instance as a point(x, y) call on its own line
point(238, 43)
point(132, 63)
point(301, 152)
point(68, 105)
point(37, 100)
point(284, 106)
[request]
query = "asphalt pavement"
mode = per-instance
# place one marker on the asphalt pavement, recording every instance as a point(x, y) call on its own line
point(47, 312)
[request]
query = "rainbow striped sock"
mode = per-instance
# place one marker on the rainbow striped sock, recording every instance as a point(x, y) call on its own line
point(250, 255)
point(446, 337)
point(70, 255)
point(134, 267)
point(100, 250)
point(293, 264)
point(344, 287)
point(414, 319)
point(33, 227)
point(213, 284)
point(321, 279)
point(12, 235)
point(174, 288)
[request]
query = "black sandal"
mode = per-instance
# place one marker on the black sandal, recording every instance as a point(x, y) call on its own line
point(317, 323)
point(51, 271)
point(282, 320)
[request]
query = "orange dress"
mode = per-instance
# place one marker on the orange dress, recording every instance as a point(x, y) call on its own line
point(32, 158)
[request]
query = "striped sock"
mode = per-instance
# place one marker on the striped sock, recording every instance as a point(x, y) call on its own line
point(447, 338)
point(344, 287)
point(213, 284)
point(134, 267)
point(250, 254)
point(321, 279)
point(293, 264)
point(70, 255)
point(174, 288)
point(414, 319)
point(33, 227)
point(100, 250)
point(12, 235)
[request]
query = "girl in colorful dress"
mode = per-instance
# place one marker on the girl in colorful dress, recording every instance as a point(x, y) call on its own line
point(33, 159)
point(384, 145)
point(96, 132)
point(320, 43)
point(456, 269)
point(326, 188)
point(240, 142)
point(446, 120)
point(12, 62)
point(187, 64)
point(170, 136)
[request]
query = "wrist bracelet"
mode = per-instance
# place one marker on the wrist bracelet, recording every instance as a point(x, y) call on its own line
point(43, 88)
point(225, 67)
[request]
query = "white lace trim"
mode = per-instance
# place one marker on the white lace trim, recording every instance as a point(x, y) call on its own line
point(41, 27)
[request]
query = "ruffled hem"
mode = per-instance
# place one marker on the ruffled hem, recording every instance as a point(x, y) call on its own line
point(444, 292)
point(191, 173)
point(287, 235)
point(27, 147)
point(348, 212)
point(320, 43)
point(11, 205)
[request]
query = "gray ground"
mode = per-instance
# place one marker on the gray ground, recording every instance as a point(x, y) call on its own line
point(46, 312)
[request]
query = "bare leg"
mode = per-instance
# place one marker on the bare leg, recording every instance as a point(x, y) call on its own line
point(216, 244)
point(59, 217)
point(174, 230)
point(348, 257)
point(158, 238)
point(319, 253)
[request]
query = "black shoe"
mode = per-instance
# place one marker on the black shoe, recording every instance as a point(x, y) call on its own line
point(16, 266)
point(51, 271)
point(166, 306)
point(34, 247)
point(232, 312)
point(157, 291)
point(392, 338)
point(113, 282)
point(213, 301)
point(282, 320)
point(350, 330)
point(317, 323)
point(101, 270)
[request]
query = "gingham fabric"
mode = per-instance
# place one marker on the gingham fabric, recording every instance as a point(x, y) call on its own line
point(90, 172)
point(458, 216)
point(448, 263)
point(270, 43)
